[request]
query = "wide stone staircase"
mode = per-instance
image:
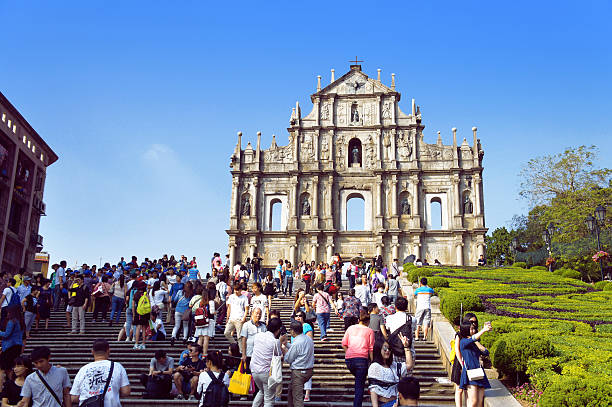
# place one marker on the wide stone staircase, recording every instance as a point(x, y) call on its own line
point(332, 382)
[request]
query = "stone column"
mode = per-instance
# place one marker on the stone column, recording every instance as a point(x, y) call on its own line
point(377, 196)
point(232, 253)
point(255, 208)
point(293, 204)
point(235, 209)
point(330, 252)
point(313, 252)
point(252, 251)
point(477, 188)
point(292, 254)
point(459, 252)
point(395, 251)
point(315, 202)
point(379, 249)
point(394, 195)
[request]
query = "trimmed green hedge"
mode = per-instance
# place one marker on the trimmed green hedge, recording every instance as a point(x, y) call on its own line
point(451, 303)
point(601, 285)
point(572, 274)
point(538, 268)
point(416, 273)
point(571, 391)
point(520, 264)
point(511, 351)
point(437, 282)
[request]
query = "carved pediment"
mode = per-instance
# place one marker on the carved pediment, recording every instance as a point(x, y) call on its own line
point(354, 83)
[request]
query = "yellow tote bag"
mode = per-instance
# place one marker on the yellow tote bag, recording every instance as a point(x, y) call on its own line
point(240, 383)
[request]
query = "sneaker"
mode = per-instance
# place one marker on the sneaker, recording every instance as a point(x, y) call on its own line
point(306, 398)
point(136, 346)
point(330, 330)
point(277, 399)
point(142, 346)
point(127, 339)
point(180, 397)
point(192, 397)
point(324, 338)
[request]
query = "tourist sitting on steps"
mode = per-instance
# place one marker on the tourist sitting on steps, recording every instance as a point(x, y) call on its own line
point(158, 382)
point(188, 372)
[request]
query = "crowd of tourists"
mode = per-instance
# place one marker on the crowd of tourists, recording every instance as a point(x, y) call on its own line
point(239, 303)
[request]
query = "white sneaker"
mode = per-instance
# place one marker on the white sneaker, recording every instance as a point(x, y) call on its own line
point(136, 346)
point(330, 330)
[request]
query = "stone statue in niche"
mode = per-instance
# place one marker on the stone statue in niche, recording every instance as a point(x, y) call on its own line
point(468, 207)
point(356, 156)
point(305, 207)
point(405, 207)
point(386, 111)
point(387, 145)
point(468, 180)
point(246, 207)
point(325, 112)
point(354, 113)
point(324, 149)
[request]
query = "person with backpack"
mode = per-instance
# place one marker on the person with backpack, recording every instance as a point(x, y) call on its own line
point(397, 323)
point(78, 300)
point(101, 382)
point(204, 320)
point(358, 344)
point(9, 298)
point(213, 382)
point(158, 383)
point(384, 373)
point(323, 303)
point(141, 309)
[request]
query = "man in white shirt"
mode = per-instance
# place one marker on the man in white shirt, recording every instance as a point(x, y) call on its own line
point(91, 379)
point(362, 291)
point(399, 319)
point(237, 311)
point(249, 330)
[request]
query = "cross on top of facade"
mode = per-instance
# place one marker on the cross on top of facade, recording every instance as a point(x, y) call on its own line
point(356, 61)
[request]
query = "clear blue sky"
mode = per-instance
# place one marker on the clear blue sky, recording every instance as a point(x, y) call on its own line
point(142, 100)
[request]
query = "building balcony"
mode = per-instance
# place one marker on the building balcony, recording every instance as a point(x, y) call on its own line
point(36, 241)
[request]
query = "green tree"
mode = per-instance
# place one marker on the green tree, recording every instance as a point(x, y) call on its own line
point(498, 246)
point(551, 176)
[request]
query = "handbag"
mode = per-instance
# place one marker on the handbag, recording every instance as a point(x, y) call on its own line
point(276, 369)
point(98, 401)
point(475, 374)
point(240, 383)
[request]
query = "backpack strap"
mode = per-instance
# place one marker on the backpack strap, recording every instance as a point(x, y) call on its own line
point(49, 388)
point(110, 375)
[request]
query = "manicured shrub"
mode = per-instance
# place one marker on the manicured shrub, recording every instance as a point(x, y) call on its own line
point(538, 268)
point(559, 272)
point(572, 274)
point(601, 285)
point(512, 351)
point(451, 303)
point(520, 264)
point(437, 282)
point(571, 391)
point(416, 273)
point(543, 372)
point(608, 287)
point(604, 328)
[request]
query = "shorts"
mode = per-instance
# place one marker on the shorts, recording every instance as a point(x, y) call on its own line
point(142, 320)
point(207, 330)
point(69, 308)
point(423, 317)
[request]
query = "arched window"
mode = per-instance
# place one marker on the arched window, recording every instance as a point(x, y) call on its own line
point(276, 210)
point(354, 153)
point(436, 213)
point(355, 212)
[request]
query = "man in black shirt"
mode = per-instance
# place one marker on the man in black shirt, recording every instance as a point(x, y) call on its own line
point(78, 298)
point(188, 372)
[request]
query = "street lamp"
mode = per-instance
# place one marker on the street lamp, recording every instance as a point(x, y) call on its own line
point(513, 247)
point(546, 236)
point(594, 224)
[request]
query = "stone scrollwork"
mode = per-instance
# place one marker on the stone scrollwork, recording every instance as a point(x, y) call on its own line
point(325, 111)
point(404, 145)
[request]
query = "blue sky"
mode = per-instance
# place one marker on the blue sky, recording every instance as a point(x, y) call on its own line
point(142, 100)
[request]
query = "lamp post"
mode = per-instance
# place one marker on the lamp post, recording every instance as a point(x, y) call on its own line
point(594, 224)
point(546, 236)
point(513, 247)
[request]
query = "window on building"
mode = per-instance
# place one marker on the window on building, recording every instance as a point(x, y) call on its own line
point(276, 210)
point(436, 213)
point(355, 213)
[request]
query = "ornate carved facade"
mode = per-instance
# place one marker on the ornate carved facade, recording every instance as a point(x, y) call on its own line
point(356, 142)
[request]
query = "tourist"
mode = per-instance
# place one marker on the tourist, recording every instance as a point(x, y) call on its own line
point(141, 309)
point(437, 263)
point(129, 316)
point(422, 314)
point(182, 312)
point(49, 385)
point(101, 294)
point(351, 273)
point(86, 382)
point(418, 263)
point(393, 289)
point(362, 291)
point(339, 301)
point(376, 321)
point(256, 264)
point(399, 322)
point(260, 300)
point(59, 281)
point(307, 277)
point(301, 303)
point(265, 345)
point(387, 309)
point(378, 294)
point(409, 391)
point(237, 311)
point(159, 297)
point(30, 305)
point(395, 269)
point(204, 319)
point(300, 356)
point(358, 345)
point(288, 280)
point(323, 304)
point(118, 290)
point(278, 273)
point(158, 383)
point(269, 287)
point(384, 373)
point(11, 391)
point(457, 362)
point(351, 309)
point(308, 330)
point(158, 330)
point(25, 288)
point(214, 373)
point(45, 303)
point(78, 301)
point(471, 350)
point(188, 372)
point(222, 293)
point(481, 260)
point(249, 329)
point(12, 331)
point(9, 297)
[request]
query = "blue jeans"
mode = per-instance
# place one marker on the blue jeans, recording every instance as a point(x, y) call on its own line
point(57, 297)
point(288, 285)
point(359, 368)
point(128, 322)
point(323, 321)
point(117, 305)
point(256, 276)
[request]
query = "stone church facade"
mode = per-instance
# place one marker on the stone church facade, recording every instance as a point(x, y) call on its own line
point(357, 143)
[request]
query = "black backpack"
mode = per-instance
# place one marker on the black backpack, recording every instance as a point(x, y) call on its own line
point(397, 347)
point(217, 394)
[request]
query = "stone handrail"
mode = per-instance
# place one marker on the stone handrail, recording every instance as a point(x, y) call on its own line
point(442, 333)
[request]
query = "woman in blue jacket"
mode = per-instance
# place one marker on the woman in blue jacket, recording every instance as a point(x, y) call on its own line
point(471, 350)
point(12, 337)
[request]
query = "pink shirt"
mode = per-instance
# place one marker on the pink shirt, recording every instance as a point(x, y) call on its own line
point(359, 341)
point(321, 306)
